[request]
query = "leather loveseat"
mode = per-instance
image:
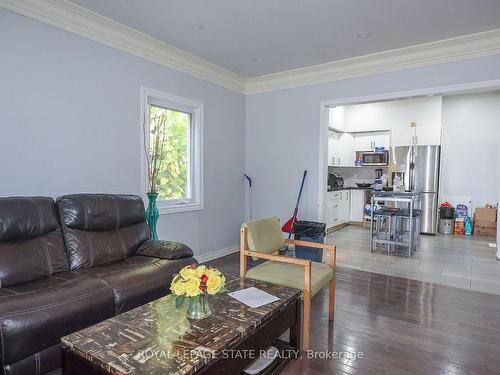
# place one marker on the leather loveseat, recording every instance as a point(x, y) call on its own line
point(70, 264)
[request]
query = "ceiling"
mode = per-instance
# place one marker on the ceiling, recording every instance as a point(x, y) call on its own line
point(259, 37)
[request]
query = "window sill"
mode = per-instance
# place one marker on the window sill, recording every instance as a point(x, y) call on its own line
point(179, 208)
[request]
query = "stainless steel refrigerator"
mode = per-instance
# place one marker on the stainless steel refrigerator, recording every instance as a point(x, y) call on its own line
point(419, 167)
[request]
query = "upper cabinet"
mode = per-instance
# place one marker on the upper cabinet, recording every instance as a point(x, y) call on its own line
point(337, 118)
point(427, 135)
point(416, 135)
point(367, 141)
point(409, 121)
point(341, 151)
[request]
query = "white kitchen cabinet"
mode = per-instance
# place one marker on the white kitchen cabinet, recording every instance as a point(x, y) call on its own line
point(332, 208)
point(402, 136)
point(357, 205)
point(336, 118)
point(331, 148)
point(428, 135)
point(341, 149)
point(419, 135)
point(344, 206)
point(346, 152)
point(381, 139)
point(367, 141)
point(363, 142)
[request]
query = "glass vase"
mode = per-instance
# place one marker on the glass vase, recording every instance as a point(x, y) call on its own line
point(198, 307)
point(152, 214)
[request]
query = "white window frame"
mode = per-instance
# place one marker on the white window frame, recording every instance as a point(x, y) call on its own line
point(195, 183)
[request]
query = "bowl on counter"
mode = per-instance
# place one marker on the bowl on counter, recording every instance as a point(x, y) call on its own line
point(363, 185)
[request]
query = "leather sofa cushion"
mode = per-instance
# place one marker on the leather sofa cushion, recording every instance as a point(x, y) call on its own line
point(34, 316)
point(31, 243)
point(101, 229)
point(139, 279)
point(47, 362)
point(26, 217)
point(165, 249)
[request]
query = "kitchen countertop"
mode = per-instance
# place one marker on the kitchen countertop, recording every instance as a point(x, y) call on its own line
point(350, 188)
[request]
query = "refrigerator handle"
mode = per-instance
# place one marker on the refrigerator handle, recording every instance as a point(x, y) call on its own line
point(412, 168)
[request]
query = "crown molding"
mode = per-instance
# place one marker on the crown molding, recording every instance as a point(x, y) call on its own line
point(83, 22)
point(442, 51)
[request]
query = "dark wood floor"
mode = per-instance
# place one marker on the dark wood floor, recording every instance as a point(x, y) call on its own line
point(401, 326)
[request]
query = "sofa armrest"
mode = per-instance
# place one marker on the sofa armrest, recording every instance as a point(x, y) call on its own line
point(165, 250)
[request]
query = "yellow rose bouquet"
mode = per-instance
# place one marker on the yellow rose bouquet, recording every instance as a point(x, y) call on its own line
point(195, 283)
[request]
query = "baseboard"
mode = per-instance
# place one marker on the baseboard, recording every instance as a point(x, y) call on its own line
point(202, 258)
point(336, 227)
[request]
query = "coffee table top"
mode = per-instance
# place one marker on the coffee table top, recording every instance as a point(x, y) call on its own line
point(157, 338)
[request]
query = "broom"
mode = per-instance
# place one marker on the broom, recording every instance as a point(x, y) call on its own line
point(288, 226)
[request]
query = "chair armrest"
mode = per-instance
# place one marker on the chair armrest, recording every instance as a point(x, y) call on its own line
point(311, 244)
point(278, 258)
point(332, 249)
point(165, 250)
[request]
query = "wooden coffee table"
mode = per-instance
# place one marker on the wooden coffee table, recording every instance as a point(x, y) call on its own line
point(157, 338)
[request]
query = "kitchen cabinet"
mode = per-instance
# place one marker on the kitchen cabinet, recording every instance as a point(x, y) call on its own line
point(332, 140)
point(358, 201)
point(338, 207)
point(332, 208)
point(341, 150)
point(345, 206)
point(367, 141)
point(428, 135)
point(346, 152)
point(419, 135)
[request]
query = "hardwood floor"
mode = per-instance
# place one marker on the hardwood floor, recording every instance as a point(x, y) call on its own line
point(401, 326)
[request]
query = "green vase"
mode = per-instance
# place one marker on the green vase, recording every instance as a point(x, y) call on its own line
point(152, 214)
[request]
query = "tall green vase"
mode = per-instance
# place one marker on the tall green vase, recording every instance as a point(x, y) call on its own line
point(152, 214)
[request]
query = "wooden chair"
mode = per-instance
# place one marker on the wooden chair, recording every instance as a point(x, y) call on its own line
point(263, 239)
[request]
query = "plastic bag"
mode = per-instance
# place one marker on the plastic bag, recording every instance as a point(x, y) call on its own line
point(468, 226)
point(461, 210)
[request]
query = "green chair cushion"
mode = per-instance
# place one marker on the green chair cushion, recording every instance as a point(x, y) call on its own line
point(292, 275)
point(264, 235)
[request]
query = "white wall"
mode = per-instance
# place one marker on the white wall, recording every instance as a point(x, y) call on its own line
point(469, 152)
point(70, 122)
point(282, 128)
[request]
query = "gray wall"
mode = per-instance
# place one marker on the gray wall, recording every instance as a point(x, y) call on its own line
point(282, 128)
point(70, 122)
point(469, 154)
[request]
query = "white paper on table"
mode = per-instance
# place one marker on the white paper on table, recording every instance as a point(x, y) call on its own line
point(253, 297)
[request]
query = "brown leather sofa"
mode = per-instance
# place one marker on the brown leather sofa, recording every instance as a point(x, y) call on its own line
point(71, 264)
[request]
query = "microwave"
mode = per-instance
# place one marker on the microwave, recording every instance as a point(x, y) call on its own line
point(369, 158)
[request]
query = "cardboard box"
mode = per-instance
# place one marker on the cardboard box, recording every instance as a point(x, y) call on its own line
point(485, 214)
point(486, 232)
point(485, 224)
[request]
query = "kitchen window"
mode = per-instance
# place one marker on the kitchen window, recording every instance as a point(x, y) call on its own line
point(172, 131)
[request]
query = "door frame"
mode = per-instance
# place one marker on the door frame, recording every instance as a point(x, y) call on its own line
point(489, 85)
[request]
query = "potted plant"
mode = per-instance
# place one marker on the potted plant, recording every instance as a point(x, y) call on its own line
point(155, 156)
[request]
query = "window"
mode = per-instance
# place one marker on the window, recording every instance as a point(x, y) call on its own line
point(172, 128)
